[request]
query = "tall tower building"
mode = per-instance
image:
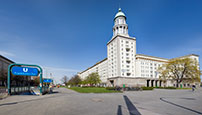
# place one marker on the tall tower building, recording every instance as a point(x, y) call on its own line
point(121, 49)
point(123, 67)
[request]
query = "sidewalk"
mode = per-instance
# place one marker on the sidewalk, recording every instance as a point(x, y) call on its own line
point(3, 93)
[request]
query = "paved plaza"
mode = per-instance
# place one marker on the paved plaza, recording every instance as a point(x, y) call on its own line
point(67, 102)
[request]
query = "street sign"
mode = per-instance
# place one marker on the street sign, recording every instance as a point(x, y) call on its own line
point(47, 80)
point(26, 71)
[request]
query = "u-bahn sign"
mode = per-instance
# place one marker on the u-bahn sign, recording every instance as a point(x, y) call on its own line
point(47, 80)
point(26, 71)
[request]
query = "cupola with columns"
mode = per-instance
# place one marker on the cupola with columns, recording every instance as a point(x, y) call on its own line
point(120, 26)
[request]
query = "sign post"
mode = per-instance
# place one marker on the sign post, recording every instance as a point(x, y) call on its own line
point(26, 70)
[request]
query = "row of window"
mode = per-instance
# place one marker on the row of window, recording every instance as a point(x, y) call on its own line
point(149, 75)
point(124, 27)
point(147, 67)
point(151, 64)
point(120, 21)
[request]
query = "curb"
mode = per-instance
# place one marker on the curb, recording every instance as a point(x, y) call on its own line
point(3, 96)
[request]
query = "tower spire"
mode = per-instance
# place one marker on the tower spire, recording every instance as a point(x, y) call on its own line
point(119, 9)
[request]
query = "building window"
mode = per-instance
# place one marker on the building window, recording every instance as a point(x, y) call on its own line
point(127, 49)
point(128, 74)
point(128, 61)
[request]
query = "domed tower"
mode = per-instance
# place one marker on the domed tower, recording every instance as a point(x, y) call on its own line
point(120, 26)
point(121, 50)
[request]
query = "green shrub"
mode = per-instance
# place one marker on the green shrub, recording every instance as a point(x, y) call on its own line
point(170, 87)
point(110, 88)
point(147, 88)
point(166, 87)
point(159, 87)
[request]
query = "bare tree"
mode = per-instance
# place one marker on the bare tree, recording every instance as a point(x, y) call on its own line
point(64, 79)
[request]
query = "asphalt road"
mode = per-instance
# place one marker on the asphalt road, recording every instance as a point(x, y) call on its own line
point(67, 102)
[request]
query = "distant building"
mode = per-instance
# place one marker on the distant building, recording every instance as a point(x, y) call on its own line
point(4, 63)
point(123, 65)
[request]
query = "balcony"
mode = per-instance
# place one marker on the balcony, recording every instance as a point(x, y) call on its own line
point(127, 49)
point(128, 61)
point(128, 74)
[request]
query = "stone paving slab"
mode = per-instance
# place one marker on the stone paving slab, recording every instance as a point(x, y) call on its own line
point(68, 102)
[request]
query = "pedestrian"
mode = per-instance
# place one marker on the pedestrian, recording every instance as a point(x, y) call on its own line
point(193, 88)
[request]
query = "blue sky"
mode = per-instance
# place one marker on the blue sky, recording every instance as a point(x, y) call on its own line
point(67, 36)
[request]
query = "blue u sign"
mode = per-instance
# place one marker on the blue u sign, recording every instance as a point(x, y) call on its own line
point(26, 71)
point(47, 80)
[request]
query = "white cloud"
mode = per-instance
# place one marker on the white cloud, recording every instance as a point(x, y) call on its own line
point(58, 73)
point(195, 50)
point(61, 69)
point(4, 53)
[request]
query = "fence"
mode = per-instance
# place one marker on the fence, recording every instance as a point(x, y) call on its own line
point(3, 90)
point(18, 90)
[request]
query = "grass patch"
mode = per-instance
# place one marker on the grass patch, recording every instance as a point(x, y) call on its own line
point(183, 88)
point(93, 90)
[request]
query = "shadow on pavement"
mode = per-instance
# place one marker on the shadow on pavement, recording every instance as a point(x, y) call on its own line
point(17, 102)
point(188, 98)
point(131, 108)
point(163, 99)
point(119, 111)
point(8, 104)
